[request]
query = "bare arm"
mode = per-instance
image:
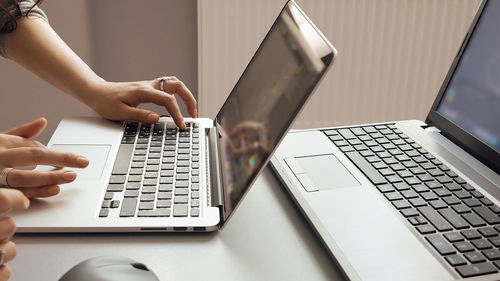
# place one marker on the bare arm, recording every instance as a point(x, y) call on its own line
point(38, 48)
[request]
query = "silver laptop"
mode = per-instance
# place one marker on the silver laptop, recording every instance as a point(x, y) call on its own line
point(411, 200)
point(156, 178)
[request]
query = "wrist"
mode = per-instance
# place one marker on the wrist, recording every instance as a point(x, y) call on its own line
point(91, 91)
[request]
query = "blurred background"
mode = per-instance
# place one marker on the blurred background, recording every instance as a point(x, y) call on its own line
point(393, 54)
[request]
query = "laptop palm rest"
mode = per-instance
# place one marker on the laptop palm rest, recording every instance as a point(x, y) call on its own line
point(321, 172)
point(96, 154)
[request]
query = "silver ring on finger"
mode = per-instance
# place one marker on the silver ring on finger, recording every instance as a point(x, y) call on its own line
point(2, 256)
point(162, 81)
point(3, 177)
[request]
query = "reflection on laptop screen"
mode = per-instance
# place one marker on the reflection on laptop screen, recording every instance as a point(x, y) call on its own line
point(272, 89)
point(472, 99)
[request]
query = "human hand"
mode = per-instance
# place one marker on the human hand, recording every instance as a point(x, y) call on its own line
point(17, 150)
point(119, 101)
point(22, 136)
point(9, 199)
point(249, 138)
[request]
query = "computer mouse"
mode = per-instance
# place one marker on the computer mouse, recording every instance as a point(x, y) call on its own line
point(109, 268)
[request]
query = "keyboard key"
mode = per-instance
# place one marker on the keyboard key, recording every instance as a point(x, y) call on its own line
point(474, 219)
point(487, 231)
point(108, 196)
point(425, 229)
point(487, 214)
point(163, 204)
point(147, 198)
point(180, 210)
point(195, 203)
point(135, 171)
point(463, 246)
point(181, 200)
point(104, 212)
point(131, 194)
point(164, 195)
point(495, 240)
point(455, 260)
point(481, 244)
point(417, 202)
point(438, 204)
point(435, 218)
point(117, 179)
point(128, 207)
point(137, 165)
point(152, 182)
point(195, 212)
point(106, 204)
point(133, 185)
point(135, 178)
point(114, 188)
point(440, 244)
point(429, 196)
point(492, 254)
point(115, 204)
point(146, 205)
point(151, 175)
point(122, 159)
point(476, 269)
point(401, 186)
point(411, 212)
point(152, 168)
point(181, 184)
point(453, 237)
point(366, 168)
point(165, 187)
point(453, 218)
point(164, 212)
point(470, 234)
point(181, 191)
point(461, 209)
point(472, 202)
point(474, 257)
point(486, 201)
point(451, 200)
point(168, 180)
point(401, 204)
point(181, 170)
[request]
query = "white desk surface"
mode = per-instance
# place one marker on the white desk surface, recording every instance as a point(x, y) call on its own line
point(266, 239)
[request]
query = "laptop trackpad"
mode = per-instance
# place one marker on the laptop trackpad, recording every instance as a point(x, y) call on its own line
point(97, 155)
point(326, 172)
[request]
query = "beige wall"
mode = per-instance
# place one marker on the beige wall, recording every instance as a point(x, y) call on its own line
point(393, 54)
point(120, 40)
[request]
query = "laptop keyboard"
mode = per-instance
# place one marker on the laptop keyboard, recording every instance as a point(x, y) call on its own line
point(156, 172)
point(459, 222)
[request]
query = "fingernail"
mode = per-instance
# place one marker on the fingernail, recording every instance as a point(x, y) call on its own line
point(82, 161)
point(69, 175)
point(26, 202)
point(153, 117)
point(53, 190)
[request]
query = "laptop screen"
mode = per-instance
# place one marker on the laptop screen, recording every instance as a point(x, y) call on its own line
point(472, 98)
point(261, 107)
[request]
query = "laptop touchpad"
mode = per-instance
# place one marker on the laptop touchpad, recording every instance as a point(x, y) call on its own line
point(96, 154)
point(326, 172)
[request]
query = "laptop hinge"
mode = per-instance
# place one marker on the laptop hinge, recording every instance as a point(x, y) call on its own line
point(216, 194)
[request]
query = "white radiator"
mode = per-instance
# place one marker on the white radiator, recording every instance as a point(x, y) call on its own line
point(393, 54)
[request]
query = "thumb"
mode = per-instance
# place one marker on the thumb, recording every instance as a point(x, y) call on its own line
point(29, 130)
point(12, 199)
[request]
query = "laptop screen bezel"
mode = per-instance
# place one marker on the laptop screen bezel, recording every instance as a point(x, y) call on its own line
point(327, 59)
point(476, 147)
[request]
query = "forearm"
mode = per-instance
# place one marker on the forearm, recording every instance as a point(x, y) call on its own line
point(38, 48)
